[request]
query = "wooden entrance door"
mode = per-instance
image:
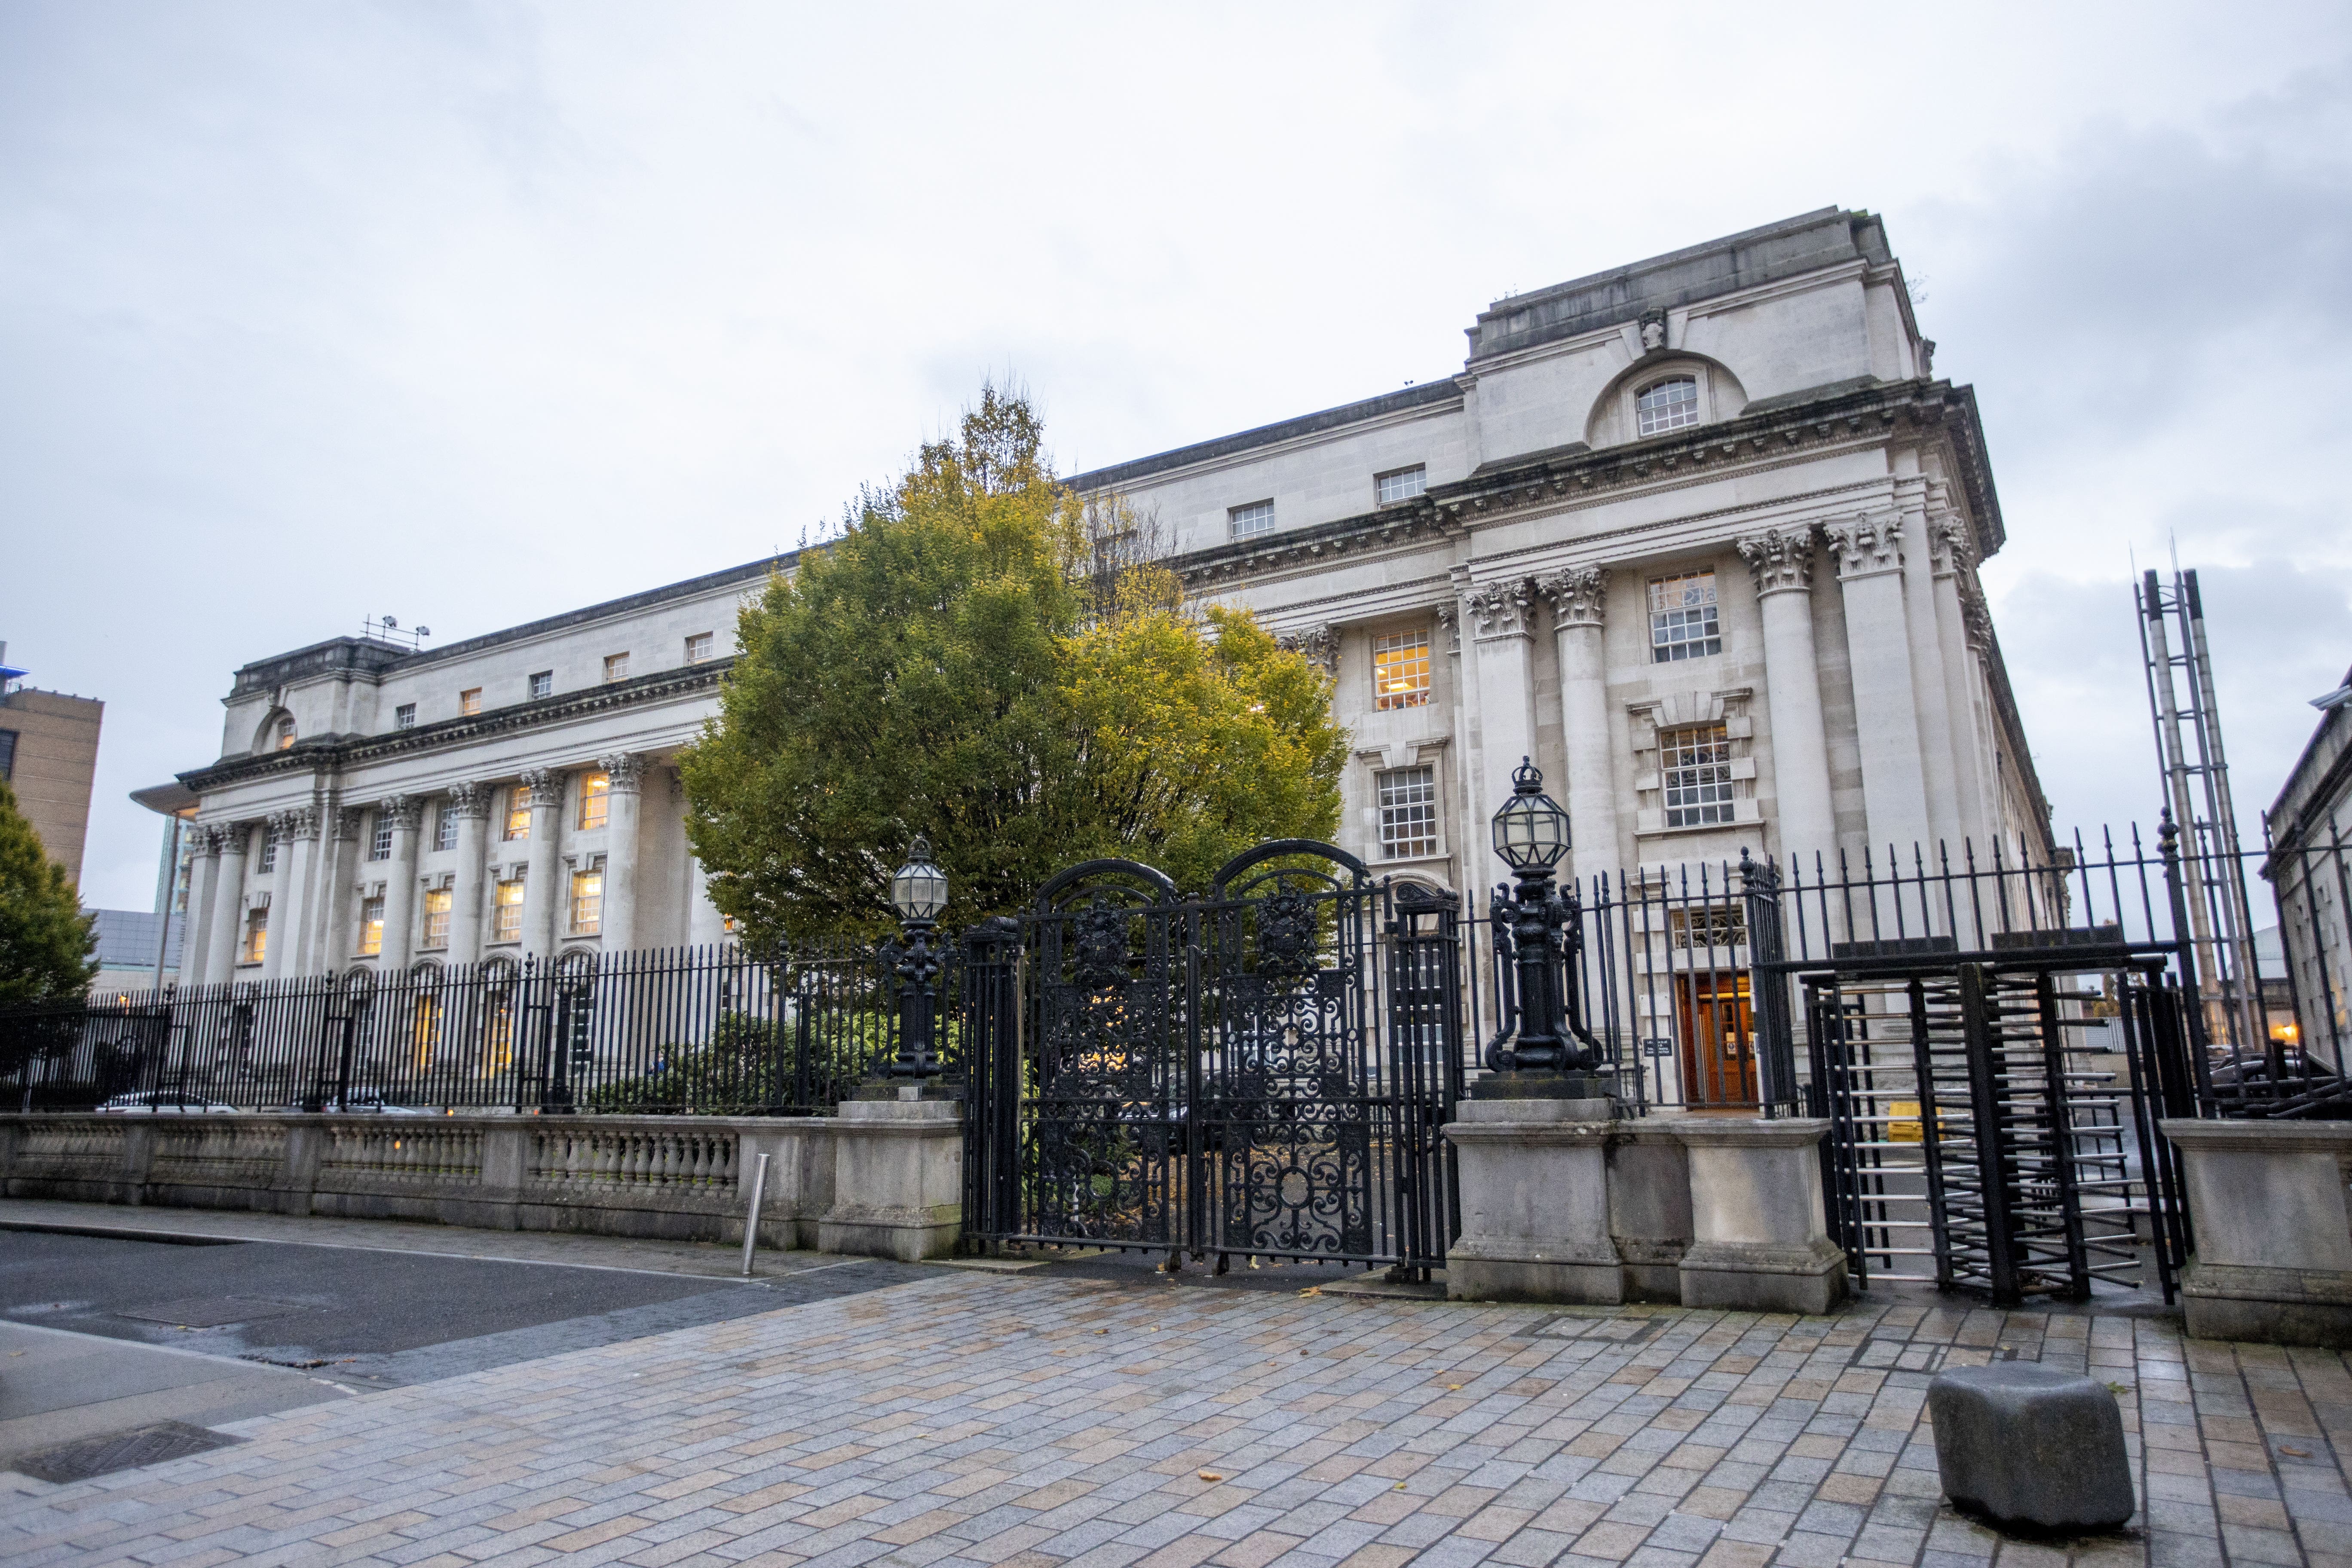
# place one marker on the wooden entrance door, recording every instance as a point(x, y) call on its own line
point(1719, 1040)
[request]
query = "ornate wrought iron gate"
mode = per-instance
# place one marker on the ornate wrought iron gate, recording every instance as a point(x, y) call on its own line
point(1260, 1073)
point(1980, 1138)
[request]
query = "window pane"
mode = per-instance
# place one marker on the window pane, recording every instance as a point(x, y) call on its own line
point(508, 913)
point(1402, 485)
point(1694, 763)
point(1683, 622)
point(470, 701)
point(370, 928)
point(379, 845)
point(1407, 812)
point(445, 831)
point(256, 937)
point(1401, 668)
point(404, 716)
point(595, 790)
point(437, 918)
point(616, 667)
point(587, 902)
point(544, 683)
point(697, 647)
point(1254, 518)
point(1669, 406)
point(518, 812)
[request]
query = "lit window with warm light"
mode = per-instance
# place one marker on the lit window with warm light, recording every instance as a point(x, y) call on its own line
point(699, 646)
point(371, 927)
point(616, 667)
point(256, 936)
point(587, 902)
point(518, 821)
point(469, 701)
point(437, 902)
point(595, 797)
point(505, 912)
point(1401, 668)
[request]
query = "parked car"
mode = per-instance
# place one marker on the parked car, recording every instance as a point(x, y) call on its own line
point(164, 1102)
point(360, 1103)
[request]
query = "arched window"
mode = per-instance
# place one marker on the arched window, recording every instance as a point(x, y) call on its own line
point(1667, 405)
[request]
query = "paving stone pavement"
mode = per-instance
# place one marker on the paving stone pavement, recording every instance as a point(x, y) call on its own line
point(1028, 1421)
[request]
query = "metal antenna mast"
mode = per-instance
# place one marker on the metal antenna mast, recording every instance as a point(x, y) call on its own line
point(2188, 719)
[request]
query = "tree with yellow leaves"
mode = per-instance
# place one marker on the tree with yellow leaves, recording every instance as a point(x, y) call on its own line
point(985, 658)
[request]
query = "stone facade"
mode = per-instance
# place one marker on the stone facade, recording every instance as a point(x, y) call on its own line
point(1699, 535)
point(2310, 869)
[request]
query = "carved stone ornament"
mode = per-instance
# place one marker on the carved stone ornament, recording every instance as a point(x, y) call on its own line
point(236, 838)
point(1951, 547)
point(624, 771)
point(302, 821)
point(1865, 546)
point(347, 823)
point(1654, 330)
point(546, 786)
point(1976, 620)
point(1319, 644)
point(213, 837)
point(1449, 621)
point(1578, 596)
point(1501, 609)
point(399, 812)
point(470, 799)
point(1780, 560)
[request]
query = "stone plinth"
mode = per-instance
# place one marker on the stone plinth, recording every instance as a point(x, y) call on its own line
point(1759, 1234)
point(898, 1179)
point(2026, 1444)
point(1534, 1176)
point(2274, 1256)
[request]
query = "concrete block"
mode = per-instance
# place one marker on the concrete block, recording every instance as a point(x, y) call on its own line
point(1759, 1232)
point(2024, 1444)
point(898, 1180)
point(2273, 1258)
point(1534, 1202)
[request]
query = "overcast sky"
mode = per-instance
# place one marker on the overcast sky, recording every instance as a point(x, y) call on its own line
point(470, 314)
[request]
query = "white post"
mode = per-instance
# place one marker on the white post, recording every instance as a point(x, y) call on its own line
point(752, 1215)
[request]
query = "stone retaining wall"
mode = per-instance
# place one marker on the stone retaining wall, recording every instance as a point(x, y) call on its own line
point(674, 1177)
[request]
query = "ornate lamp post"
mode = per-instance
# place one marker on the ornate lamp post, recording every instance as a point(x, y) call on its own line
point(919, 890)
point(1542, 1048)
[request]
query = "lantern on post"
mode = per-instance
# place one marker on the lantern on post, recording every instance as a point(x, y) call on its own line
point(1541, 1048)
point(919, 891)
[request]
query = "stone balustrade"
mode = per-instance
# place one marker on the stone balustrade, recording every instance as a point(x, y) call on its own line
point(672, 1177)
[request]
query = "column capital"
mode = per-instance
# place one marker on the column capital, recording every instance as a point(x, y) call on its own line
point(400, 810)
point(1449, 621)
point(1780, 560)
point(1951, 545)
point(1976, 620)
point(1501, 609)
point(468, 798)
point(546, 786)
point(302, 821)
point(1865, 544)
point(233, 837)
point(624, 771)
point(1578, 596)
point(1320, 644)
point(347, 822)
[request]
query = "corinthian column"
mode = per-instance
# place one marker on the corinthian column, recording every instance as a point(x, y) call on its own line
point(228, 902)
point(1780, 560)
point(542, 898)
point(471, 805)
point(1499, 615)
point(1954, 554)
point(400, 882)
point(1869, 554)
point(624, 770)
point(196, 925)
point(289, 928)
point(1579, 596)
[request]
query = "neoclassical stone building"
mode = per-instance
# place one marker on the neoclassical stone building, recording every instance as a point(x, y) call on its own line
point(1699, 535)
